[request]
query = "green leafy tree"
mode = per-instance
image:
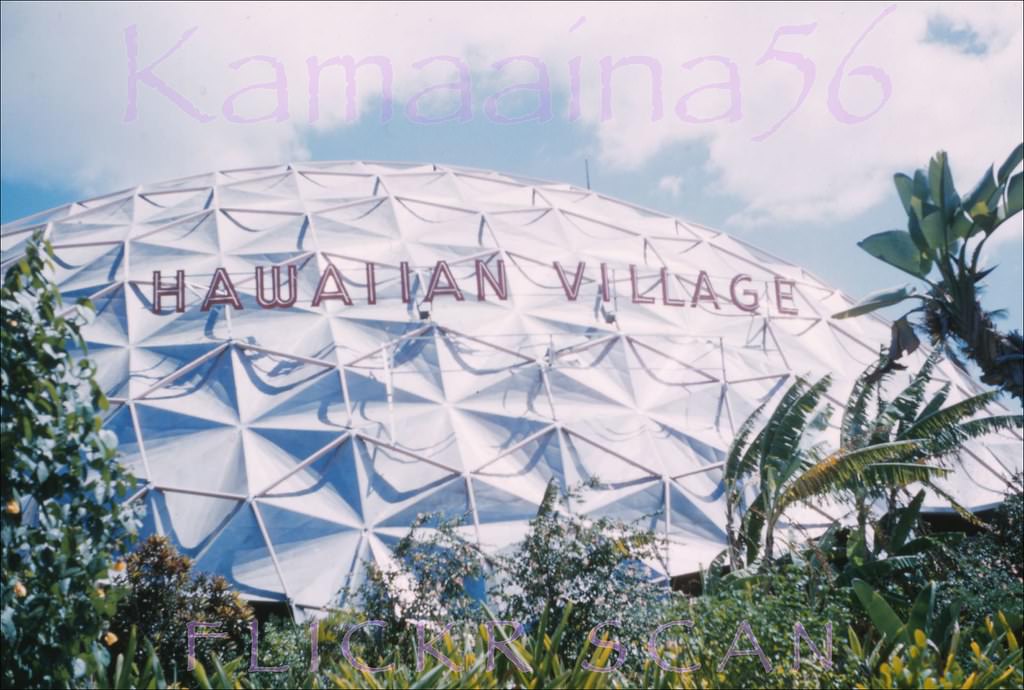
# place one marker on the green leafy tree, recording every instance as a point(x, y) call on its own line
point(571, 574)
point(427, 580)
point(984, 571)
point(942, 247)
point(568, 575)
point(64, 520)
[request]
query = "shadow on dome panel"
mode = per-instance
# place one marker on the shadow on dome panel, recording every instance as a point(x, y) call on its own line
point(190, 521)
point(239, 552)
point(317, 555)
point(82, 271)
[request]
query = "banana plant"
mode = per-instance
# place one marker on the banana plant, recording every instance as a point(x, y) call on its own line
point(775, 447)
point(940, 430)
point(876, 548)
point(885, 446)
point(942, 247)
point(789, 470)
point(904, 549)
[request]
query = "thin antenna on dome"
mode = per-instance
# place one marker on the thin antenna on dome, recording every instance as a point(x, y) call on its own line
point(586, 168)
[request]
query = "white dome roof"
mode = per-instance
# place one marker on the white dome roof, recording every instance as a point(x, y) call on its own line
point(283, 446)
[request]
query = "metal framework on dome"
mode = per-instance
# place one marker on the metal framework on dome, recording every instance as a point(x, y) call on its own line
point(282, 444)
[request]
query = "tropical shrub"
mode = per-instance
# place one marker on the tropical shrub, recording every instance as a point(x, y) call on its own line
point(789, 469)
point(430, 579)
point(124, 673)
point(161, 595)
point(920, 665)
point(64, 523)
point(771, 603)
point(907, 646)
point(287, 643)
point(924, 651)
point(983, 571)
point(899, 541)
point(596, 566)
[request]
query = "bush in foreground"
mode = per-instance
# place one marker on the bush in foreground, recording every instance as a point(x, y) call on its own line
point(162, 594)
point(64, 524)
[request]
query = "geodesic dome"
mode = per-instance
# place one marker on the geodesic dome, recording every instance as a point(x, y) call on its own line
point(476, 335)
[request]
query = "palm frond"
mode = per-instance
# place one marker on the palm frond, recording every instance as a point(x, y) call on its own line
point(855, 415)
point(951, 438)
point(888, 566)
point(947, 416)
point(738, 464)
point(753, 525)
point(841, 468)
point(987, 425)
point(817, 452)
point(801, 461)
point(936, 403)
point(902, 409)
point(785, 441)
point(892, 475)
point(960, 510)
point(765, 438)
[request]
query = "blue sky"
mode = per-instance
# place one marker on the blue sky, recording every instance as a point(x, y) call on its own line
point(807, 194)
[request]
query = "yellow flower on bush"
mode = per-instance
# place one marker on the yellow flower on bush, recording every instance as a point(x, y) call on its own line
point(119, 567)
point(110, 639)
point(12, 507)
point(19, 590)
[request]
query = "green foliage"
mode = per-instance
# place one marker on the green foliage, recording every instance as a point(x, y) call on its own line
point(939, 624)
point(427, 581)
point(885, 446)
point(925, 649)
point(64, 521)
point(283, 642)
point(942, 246)
point(1007, 532)
point(778, 456)
point(547, 668)
point(124, 673)
point(596, 566)
point(984, 571)
point(772, 603)
point(790, 470)
point(927, 645)
point(878, 300)
point(938, 219)
point(568, 571)
point(920, 663)
point(162, 594)
point(938, 432)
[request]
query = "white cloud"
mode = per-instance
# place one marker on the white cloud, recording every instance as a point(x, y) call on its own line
point(65, 72)
point(671, 183)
